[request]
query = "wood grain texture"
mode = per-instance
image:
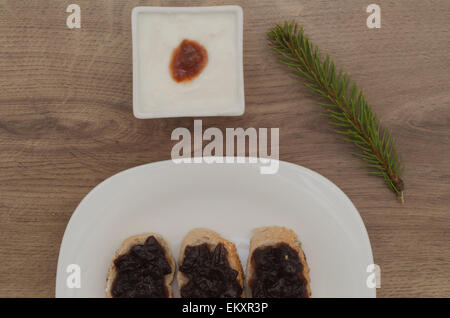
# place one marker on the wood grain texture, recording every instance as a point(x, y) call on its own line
point(66, 124)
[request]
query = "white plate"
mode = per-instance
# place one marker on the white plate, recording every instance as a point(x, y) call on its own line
point(231, 199)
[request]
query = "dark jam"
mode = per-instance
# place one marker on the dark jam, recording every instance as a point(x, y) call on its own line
point(209, 273)
point(140, 272)
point(188, 61)
point(278, 273)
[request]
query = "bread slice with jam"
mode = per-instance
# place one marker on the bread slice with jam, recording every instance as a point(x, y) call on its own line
point(142, 267)
point(209, 267)
point(276, 266)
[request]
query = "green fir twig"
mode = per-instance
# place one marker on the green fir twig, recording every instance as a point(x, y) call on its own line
point(344, 102)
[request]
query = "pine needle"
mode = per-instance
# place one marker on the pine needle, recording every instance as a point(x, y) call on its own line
point(345, 104)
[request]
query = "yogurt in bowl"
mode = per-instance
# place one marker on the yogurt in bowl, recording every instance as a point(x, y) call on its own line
point(187, 61)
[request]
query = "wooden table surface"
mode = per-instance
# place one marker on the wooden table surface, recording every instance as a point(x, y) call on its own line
point(66, 124)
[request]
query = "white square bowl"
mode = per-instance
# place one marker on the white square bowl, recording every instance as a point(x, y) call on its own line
point(217, 91)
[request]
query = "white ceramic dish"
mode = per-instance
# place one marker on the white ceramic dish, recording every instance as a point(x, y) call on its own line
point(232, 199)
point(217, 91)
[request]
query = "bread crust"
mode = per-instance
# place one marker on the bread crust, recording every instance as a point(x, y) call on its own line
point(125, 247)
point(269, 236)
point(199, 236)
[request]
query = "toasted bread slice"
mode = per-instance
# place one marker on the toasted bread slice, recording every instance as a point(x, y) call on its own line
point(272, 236)
point(126, 246)
point(200, 236)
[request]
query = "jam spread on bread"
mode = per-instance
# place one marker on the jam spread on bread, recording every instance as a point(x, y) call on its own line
point(141, 271)
point(188, 60)
point(278, 273)
point(209, 273)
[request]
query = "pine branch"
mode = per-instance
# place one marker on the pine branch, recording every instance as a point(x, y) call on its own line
point(344, 102)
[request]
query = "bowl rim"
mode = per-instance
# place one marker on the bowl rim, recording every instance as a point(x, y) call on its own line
point(239, 108)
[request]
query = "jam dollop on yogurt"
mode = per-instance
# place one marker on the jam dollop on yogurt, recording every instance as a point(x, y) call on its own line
point(188, 61)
